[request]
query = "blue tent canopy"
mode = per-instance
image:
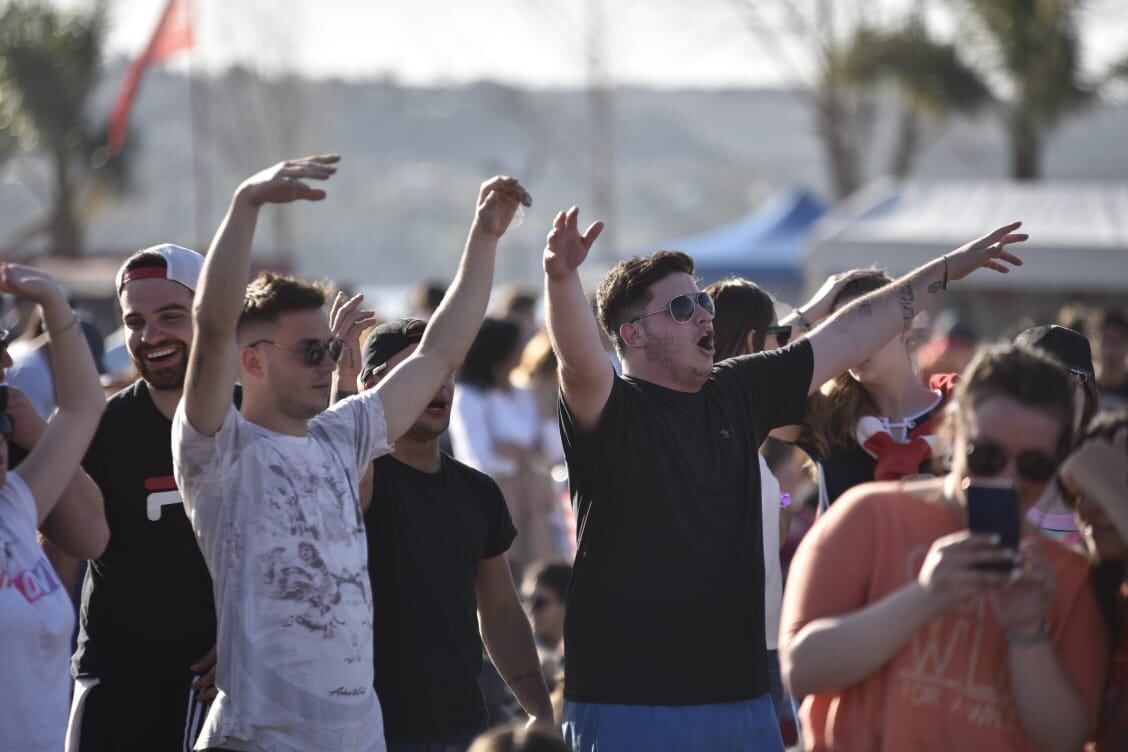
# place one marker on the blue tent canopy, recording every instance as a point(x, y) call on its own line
point(765, 246)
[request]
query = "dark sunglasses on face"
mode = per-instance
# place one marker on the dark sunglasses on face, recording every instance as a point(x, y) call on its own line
point(782, 333)
point(987, 459)
point(312, 352)
point(681, 307)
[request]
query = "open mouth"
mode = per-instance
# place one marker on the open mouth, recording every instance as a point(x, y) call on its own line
point(161, 355)
point(707, 341)
point(436, 407)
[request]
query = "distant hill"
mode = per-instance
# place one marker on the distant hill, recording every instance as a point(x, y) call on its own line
point(399, 208)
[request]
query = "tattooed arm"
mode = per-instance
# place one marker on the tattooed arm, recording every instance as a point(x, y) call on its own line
point(857, 330)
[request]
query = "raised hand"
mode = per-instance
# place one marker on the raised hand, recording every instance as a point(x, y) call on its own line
point(28, 283)
point(566, 248)
point(988, 252)
point(498, 200)
point(347, 320)
point(284, 182)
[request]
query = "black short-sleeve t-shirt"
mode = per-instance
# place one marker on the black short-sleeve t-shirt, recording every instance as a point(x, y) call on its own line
point(147, 610)
point(426, 534)
point(666, 602)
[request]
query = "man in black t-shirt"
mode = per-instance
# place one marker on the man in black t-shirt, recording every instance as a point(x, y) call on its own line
point(664, 628)
point(147, 626)
point(437, 533)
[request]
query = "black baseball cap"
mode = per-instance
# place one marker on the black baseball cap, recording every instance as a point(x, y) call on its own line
point(386, 340)
point(1067, 346)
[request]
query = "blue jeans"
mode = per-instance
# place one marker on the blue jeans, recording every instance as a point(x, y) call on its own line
point(748, 726)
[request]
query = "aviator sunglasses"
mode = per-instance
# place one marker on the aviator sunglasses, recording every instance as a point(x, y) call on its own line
point(312, 352)
point(987, 459)
point(782, 334)
point(681, 307)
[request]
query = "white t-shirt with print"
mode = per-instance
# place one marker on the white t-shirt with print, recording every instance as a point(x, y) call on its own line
point(278, 521)
point(36, 622)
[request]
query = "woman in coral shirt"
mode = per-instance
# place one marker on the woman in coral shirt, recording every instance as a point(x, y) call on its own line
point(898, 641)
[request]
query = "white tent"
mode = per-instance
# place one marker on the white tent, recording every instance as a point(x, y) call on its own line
point(1078, 232)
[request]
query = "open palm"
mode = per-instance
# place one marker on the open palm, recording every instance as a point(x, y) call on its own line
point(25, 282)
point(285, 181)
point(566, 248)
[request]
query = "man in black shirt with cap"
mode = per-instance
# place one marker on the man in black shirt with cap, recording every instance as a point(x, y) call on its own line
point(437, 533)
point(147, 626)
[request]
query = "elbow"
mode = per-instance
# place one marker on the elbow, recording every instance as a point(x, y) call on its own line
point(793, 678)
point(95, 541)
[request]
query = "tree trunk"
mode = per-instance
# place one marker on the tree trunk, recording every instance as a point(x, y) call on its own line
point(907, 146)
point(834, 133)
point(1026, 147)
point(64, 232)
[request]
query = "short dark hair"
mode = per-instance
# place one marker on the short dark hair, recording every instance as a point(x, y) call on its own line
point(860, 286)
point(625, 292)
point(1114, 318)
point(270, 295)
point(1028, 376)
point(144, 259)
point(553, 575)
point(497, 340)
point(517, 300)
point(426, 296)
point(742, 306)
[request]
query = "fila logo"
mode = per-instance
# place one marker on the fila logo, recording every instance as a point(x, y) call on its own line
point(726, 433)
point(163, 492)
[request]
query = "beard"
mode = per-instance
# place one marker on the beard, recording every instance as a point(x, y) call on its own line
point(168, 377)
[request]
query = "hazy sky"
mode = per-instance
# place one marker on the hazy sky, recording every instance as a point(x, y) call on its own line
point(532, 42)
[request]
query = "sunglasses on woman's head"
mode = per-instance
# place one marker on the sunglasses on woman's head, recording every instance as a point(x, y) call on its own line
point(987, 459)
point(312, 352)
point(681, 307)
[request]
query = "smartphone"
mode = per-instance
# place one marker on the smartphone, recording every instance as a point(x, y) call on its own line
point(992, 507)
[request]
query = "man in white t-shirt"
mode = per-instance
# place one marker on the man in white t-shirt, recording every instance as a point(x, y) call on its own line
point(272, 489)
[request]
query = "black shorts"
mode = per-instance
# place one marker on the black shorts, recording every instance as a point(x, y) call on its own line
point(122, 716)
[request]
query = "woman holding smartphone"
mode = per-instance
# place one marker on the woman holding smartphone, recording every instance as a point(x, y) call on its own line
point(945, 654)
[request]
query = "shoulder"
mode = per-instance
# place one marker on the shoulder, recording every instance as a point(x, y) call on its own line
point(128, 397)
point(879, 501)
point(475, 478)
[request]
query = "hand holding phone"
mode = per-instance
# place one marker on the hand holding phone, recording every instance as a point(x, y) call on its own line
point(992, 507)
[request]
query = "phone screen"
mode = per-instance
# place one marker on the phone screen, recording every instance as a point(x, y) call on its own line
point(992, 507)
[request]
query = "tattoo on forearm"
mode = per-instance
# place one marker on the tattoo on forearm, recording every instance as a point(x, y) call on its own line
point(199, 368)
point(935, 287)
point(524, 677)
point(906, 298)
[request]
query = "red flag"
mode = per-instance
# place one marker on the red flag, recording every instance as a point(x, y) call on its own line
point(173, 34)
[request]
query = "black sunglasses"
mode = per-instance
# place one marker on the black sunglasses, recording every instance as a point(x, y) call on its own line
point(681, 307)
point(313, 352)
point(987, 459)
point(782, 333)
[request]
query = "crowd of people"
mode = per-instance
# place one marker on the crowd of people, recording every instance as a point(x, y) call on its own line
point(669, 519)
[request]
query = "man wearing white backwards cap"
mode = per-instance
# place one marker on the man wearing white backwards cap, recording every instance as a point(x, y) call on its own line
point(147, 626)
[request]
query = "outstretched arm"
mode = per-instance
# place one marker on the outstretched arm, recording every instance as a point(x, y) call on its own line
point(213, 364)
point(586, 375)
point(55, 458)
point(867, 323)
point(413, 383)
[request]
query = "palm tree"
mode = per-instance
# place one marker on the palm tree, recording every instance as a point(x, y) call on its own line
point(1032, 50)
point(50, 63)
